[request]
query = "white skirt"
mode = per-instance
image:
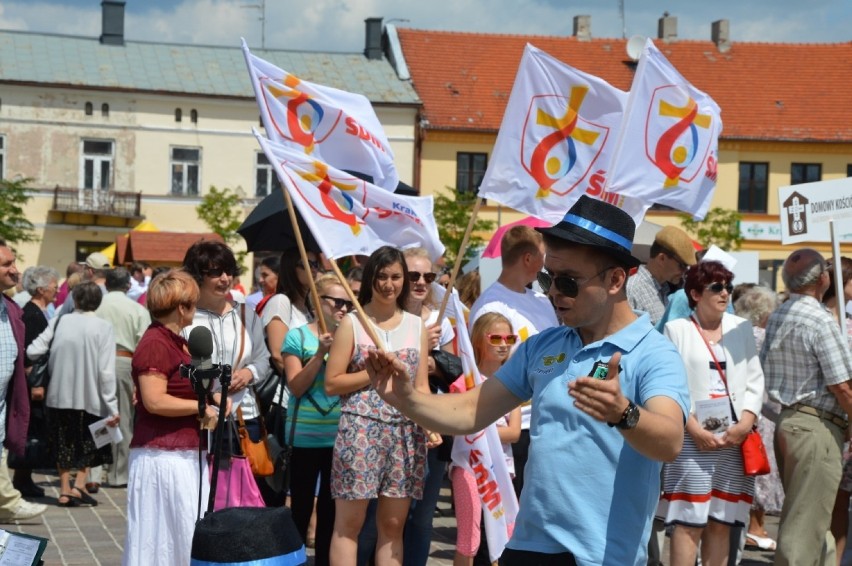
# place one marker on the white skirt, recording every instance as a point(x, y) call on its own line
point(162, 505)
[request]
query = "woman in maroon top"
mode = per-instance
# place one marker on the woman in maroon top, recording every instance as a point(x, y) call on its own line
point(166, 476)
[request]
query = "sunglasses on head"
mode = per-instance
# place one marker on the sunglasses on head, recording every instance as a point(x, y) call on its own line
point(498, 339)
point(339, 303)
point(414, 276)
point(215, 272)
point(719, 287)
point(565, 284)
point(312, 263)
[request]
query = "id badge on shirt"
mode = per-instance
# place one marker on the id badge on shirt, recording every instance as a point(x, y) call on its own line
point(714, 415)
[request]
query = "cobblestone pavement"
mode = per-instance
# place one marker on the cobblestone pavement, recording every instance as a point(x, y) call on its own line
point(95, 535)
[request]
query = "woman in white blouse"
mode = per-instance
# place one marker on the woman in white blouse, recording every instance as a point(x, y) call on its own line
point(705, 491)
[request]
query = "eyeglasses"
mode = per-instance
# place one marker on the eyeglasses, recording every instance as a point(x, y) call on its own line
point(312, 263)
point(215, 272)
point(498, 339)
point(565, 284)
point(339, 303)
point(414, 276)
point(719, 287)
point(680, 264)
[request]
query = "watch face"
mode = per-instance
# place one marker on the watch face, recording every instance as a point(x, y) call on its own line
point(631, 417)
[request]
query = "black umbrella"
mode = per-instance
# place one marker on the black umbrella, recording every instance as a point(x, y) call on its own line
point(268, 227)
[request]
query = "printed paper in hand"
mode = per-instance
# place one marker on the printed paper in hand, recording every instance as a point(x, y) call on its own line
point(714, 415)
point(104, 434)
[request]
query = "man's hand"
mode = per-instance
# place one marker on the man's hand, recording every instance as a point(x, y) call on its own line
point(240, 380)
point(37, 393)
point(601, 399)
point(389, 376)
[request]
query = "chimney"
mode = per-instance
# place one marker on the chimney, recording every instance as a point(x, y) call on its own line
point(583, 28)
point(720, 33)
point(373, 47)
point(112, 22)
point(667, 28)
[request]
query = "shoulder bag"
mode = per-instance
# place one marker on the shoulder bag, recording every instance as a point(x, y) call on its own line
point(755, 459)
point(39, 375)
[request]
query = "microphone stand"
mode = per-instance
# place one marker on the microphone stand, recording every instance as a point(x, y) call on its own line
point(225, 382)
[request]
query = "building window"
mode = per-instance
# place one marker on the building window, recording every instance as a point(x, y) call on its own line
point(266, 180)
point(470, 168)
point(193, 116)
point(754, 187)
point(185, 163)
point(805, 173)
point(105, 110)
point(849, 169)
point(88, 109)
point(2, 157)
point(178, 114)
point(96, 168)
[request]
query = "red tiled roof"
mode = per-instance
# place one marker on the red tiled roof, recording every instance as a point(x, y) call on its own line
point(161, 247)
point(767, 91)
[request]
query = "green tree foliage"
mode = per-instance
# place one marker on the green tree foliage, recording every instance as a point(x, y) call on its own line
point(452, 215)
point(222, 211)
point(721, 227)
point(14, 226)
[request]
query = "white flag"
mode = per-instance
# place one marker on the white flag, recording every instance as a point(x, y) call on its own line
point(347, 215)
point(330, 125)
point(556, 140)
point(669, 141)
point(481, 454)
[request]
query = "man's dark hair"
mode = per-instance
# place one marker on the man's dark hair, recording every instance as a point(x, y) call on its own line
point(87, 296)
point(117, 279)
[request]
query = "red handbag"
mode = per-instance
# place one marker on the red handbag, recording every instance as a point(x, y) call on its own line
point(755, 459)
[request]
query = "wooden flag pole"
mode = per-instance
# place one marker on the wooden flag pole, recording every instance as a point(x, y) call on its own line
point(457, 264)
point(365, 320)
point(303, 252)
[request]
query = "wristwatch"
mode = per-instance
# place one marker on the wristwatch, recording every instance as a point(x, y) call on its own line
point(630, 417)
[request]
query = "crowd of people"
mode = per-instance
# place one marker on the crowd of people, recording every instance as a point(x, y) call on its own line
point(622, 392)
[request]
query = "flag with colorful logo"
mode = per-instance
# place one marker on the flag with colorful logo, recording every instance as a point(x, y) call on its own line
point(337, 127)
point(347, 215)
point(668, 145)
point(481, 454)
point(556, 140)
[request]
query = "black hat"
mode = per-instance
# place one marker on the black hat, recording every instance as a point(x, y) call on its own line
point(242, 535)
point(595, 223)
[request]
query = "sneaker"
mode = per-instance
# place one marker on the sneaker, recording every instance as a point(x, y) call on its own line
point(24, 510)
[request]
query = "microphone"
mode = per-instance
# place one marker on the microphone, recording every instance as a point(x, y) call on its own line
point(201, 348)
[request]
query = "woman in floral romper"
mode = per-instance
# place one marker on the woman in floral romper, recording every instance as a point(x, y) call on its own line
point(378, 454)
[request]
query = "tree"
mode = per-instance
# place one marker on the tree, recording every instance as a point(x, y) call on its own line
point(452, 216)
point(222, 211)
point(720, 227)
point(14, 226)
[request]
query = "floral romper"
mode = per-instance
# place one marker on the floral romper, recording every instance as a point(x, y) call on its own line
point(378, 451)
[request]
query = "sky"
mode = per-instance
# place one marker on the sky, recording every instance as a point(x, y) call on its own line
point(338, 25)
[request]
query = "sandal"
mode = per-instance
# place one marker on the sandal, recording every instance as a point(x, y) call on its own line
point(70, 500)
point(763, 543)
point(84, 498)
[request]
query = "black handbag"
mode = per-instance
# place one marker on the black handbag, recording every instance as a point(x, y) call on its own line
point(39, 375)
point(265, 392)
point(448, 368)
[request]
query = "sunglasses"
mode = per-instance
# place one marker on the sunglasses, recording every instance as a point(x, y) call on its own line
point(215, 272)
point(498, 339)
point(339, 303)
point(680, 264)
point(565, 284)
point(719, 287)
point(312, 263)
point(414, 276)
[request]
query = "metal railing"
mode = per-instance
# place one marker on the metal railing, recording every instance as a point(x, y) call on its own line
point(88, 201)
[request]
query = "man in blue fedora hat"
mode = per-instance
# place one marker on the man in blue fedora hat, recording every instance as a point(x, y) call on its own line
point(609, 402)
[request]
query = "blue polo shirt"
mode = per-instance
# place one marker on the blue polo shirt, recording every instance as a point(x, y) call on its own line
point(587, 491)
